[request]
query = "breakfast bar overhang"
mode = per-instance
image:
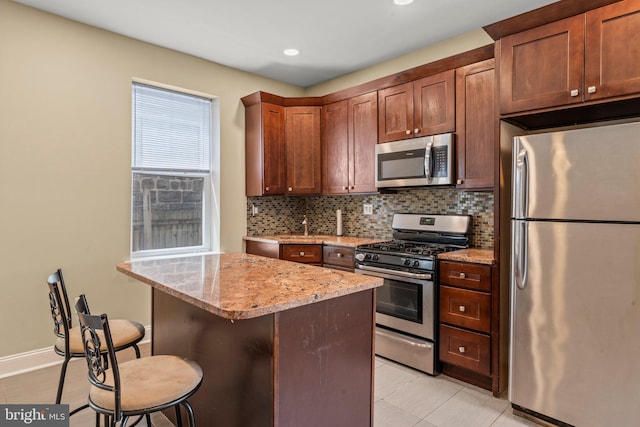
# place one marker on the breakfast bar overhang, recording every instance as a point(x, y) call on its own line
point(280, 343)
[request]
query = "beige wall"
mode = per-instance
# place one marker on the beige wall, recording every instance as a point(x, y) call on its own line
point(65, 150)
point(65, 147)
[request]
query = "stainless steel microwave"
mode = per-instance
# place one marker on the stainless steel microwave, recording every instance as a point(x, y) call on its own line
point(416, 162)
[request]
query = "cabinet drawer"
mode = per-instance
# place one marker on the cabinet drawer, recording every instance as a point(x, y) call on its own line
point(339, 256)
point(469, 309)
point(301, 253)
point(470, 276)
point(466, 349)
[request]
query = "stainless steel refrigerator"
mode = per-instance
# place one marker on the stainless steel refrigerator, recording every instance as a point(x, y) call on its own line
point(575, 276)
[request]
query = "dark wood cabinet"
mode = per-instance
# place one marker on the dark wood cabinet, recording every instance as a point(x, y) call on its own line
point(587, 57)
point(349, 135)
point(476, 127)
point(338, 257)
point(419, 108)
point(265, 157)
point(469, 324)
point(307, 254)
point(612, 51)
point(303, 151)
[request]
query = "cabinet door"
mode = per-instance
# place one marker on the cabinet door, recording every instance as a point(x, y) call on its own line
point(475, 125)
point(264, 149)
point(542, 67)
point(612, 55)
point(363, 137)
point(434, 104)
point(395, 113)
point(303, 150)
point(335, 148)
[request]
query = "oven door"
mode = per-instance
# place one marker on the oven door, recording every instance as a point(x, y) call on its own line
point(405, 304)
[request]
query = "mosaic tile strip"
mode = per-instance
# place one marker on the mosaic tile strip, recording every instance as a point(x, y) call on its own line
point(283, 215)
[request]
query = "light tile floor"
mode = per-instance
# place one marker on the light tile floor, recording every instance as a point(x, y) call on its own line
point(403, 397)
point(408, 398)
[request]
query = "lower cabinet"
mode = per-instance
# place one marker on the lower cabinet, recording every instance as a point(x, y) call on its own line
point(307, 254)
point(467, 332)
point(338, 257)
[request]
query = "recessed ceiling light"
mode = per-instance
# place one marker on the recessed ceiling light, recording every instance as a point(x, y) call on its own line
point(402, 2)
point(291, 52)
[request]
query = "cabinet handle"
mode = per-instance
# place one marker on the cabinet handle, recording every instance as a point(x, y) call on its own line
point(591, 89)
point(353, 187)
point(266, 189)
point(416, 130)
point(346, 188)
point(290, 189)
point(408, 132)
point(575, 92)
point(301, 253)
point(459, 182)
point(462, 276)
point(339, 255)
point(462, 309)
point(461, 349)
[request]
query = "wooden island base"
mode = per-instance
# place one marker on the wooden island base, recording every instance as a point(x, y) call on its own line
point(307, 366)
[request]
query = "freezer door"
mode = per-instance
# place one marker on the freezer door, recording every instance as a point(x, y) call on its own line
point(584, 174)
point(575, 322)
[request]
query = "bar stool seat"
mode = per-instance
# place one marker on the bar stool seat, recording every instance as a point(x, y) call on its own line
point(124, 333)
point(149, 382)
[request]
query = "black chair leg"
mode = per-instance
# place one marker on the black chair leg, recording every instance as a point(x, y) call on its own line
point(63, 372)
point(148, 417)
point(192, 419)
point(178, 416)
point(135, 347)
point(97, 419)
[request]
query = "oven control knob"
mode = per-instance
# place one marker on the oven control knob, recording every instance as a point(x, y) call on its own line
point(360, 257)
point(407, 262)
point(375, 257)
point(416, 263)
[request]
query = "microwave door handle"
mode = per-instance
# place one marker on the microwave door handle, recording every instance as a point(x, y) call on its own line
point(427, 159)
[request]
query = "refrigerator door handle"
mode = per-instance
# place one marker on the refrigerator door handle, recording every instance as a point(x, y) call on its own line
point(521, 255)
point(521, 201)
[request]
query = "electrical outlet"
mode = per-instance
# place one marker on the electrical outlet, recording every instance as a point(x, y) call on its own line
point(367, 209)
point(254, 210)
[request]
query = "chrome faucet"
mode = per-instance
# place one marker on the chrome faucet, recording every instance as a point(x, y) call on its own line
point(306, 225)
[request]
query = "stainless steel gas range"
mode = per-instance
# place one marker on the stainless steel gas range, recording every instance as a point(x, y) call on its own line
point(407, 303)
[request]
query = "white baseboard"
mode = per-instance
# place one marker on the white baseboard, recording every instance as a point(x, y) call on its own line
point(16, 364)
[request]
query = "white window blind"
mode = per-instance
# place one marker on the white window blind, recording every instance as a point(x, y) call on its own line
point(171, 130)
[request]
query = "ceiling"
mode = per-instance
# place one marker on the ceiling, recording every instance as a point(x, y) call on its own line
point(335, 37)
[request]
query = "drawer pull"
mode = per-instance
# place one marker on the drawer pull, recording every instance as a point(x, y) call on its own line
point(461, 349)
point(463, 276)
point(339, 255)
point(301, 253)
point(462, 309)
point(408, 132)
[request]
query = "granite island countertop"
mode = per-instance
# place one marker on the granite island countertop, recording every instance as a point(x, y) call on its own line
point(476, 256)
point(243, 286)
point(314, 239)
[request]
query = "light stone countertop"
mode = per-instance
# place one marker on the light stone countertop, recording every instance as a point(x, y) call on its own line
point(476, 256)
point(243, 286)
point(318, 239)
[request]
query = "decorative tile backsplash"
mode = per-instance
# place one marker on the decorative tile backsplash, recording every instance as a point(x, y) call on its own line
point(284, 214)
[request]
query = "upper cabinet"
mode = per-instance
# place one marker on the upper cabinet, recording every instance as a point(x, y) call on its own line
point(265, 155)
point(419, 108)
point(586, 57)
point(476, 125)
point(349, 136)
point(302, 135)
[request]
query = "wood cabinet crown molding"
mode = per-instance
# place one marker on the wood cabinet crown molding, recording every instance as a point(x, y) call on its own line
point(541, 16)
point(449, 63)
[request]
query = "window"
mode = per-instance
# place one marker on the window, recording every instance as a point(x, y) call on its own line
point(172, 168)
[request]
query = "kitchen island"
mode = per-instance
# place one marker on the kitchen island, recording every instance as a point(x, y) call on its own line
point(280, 343)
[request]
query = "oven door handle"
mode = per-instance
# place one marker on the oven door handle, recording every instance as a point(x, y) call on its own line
point(386, 274)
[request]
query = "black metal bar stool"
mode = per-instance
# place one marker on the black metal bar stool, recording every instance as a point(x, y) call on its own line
point(137, 387)
point(126, 333)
